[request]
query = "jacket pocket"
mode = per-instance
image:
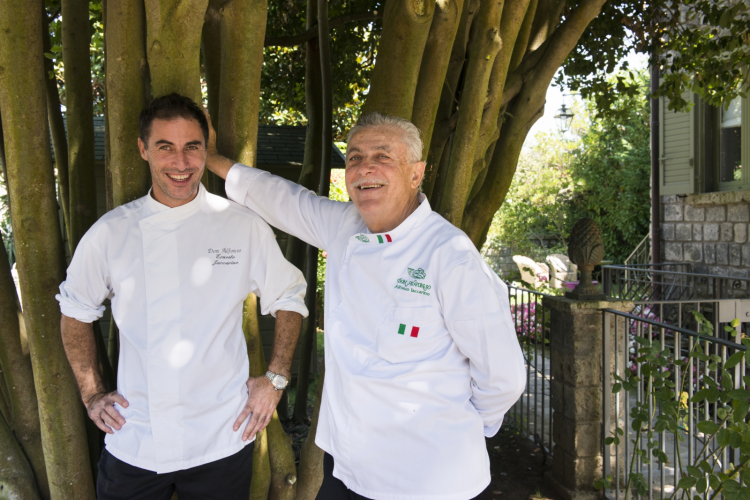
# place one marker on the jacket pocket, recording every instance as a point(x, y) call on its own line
point(409, 333)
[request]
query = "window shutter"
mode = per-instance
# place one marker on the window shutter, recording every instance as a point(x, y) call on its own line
point(677, 148)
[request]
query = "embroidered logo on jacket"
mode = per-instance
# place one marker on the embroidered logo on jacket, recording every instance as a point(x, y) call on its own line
point(417, 274)
point(415, 285)
point(225, 256)
point(402, 330)
point(363, 238)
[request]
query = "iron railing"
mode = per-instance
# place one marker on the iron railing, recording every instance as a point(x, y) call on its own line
point(642, 253)
point(670, 282)
point(532, 413)
point(620, 331)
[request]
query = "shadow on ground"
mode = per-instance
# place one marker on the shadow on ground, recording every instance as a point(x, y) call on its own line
point(518, 466)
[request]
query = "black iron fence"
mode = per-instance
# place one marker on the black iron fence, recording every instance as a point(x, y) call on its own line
point(532, 414)
point(668, 402)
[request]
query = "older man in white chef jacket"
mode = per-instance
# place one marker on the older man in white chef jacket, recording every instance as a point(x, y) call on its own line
point(422, 360)
point(177, 265)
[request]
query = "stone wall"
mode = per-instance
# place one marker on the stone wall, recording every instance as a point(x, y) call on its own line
point(500, 260)
point(709, 231)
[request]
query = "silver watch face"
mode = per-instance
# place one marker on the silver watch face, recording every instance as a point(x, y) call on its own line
point(279, 382)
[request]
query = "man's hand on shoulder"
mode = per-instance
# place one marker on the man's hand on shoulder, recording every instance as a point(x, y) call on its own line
point(261, 402)
point(101, 410)
point(215, 162)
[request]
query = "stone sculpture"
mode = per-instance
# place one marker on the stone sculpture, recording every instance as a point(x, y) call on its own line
point(586, 250)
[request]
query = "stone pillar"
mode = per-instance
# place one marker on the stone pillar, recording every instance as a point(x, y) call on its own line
point(576, 392)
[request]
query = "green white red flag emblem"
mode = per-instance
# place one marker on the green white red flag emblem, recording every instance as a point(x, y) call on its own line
point(402, 330)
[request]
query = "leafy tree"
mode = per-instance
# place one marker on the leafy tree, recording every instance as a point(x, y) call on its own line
point(603, 173)
point(611, 173)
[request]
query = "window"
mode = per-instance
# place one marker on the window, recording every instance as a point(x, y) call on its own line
point(730, 142)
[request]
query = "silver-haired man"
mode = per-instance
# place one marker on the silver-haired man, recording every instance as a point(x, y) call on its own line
point(421, 356)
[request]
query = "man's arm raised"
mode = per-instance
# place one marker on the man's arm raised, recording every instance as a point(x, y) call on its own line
point(283, 204)
point(263, 397)
point(80, 347)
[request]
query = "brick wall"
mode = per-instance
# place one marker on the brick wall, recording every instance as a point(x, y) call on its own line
point(709, 234)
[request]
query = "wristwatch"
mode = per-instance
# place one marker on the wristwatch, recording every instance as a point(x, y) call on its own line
point(279, 382)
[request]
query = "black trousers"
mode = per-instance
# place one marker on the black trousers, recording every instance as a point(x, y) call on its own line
point(334, 489)
point(225, 479)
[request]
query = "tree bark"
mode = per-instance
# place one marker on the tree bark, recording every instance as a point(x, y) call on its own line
point(446, 118)
point(211, 50)
point(39, 246)
point(173, 42)
point(19, 378)
point(434, 67)
point(79, 105)
point(406, 25)
point(308, 337)
point(485, 45)
point(127, 94)
point(57, 129)
point(525, 109)
point(310, 471)
point(16, 476)
point(243, 28)
point(261, 482)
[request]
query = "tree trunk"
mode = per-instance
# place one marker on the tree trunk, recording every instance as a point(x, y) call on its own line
point(525, 109)
point(308, 337)
point(446, 118)
point(261, 482)
point(39, 247)
point(310, 471)
point(485, 44)
point(243, 29)
point(173, 46)
point(406, 25)
point(211, 50)
point(76, 42)
point(16, 476)
point(19, 378)
point(127, 94)
point(57, 129)
point(434, 67)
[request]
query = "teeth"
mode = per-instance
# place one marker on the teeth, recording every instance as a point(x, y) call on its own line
point(178, 177)
point(371, 186)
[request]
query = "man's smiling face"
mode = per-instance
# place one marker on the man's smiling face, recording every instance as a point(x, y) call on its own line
point(176, 153)
point(379, 178)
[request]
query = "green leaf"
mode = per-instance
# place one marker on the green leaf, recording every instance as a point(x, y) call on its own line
point(731, 486)
point(705, 467)
point(739, 394)
point(734, 359)
point(714, 481)
point(694, 471)
point(741, 408)
point(687, 482)
point(616, 388)
point(707, 427)
point(702, 485)
point(735, 440)
point(699, 396)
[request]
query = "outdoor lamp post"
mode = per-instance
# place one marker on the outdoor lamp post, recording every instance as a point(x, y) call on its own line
point(563, 118)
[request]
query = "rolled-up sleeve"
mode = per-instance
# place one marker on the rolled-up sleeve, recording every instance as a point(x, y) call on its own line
point(477, 314)
point(279, 285)
point(87, 283)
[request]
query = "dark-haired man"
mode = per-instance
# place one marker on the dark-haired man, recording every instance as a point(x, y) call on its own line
point(177, 265)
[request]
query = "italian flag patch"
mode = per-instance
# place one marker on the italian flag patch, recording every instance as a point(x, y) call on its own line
point(402, 330)
point(387, 238)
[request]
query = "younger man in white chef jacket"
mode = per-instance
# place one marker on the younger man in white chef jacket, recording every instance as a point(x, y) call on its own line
point(421, 355)
point(177, 265)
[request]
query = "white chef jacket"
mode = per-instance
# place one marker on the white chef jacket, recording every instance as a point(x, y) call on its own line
point(177, 278)
point(422, 360)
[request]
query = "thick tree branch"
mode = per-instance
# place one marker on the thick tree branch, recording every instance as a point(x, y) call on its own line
point(312, 32)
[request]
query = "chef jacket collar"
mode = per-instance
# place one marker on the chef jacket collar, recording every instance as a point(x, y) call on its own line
point(163, 213)
point(416, 218)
